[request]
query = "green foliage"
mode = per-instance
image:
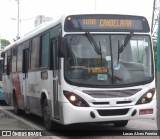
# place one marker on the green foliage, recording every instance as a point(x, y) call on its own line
point(4, 42)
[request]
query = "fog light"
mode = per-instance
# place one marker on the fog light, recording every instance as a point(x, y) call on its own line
point(143, 100)
point(79, 103)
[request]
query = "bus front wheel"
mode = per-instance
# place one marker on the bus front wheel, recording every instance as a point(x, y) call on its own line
point(46, 115)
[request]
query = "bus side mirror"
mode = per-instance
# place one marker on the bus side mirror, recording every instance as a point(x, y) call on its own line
point(63, 48)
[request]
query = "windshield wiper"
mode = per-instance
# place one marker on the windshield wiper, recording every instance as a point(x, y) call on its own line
point(94, 44)
point(123, 46)
point(118, 52)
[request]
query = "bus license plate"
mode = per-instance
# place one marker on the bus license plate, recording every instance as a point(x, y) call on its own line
point(145, 111)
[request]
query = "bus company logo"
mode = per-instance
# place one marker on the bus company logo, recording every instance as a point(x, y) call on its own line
point(6, 133)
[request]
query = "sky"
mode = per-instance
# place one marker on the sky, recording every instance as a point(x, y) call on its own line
point(29, 9)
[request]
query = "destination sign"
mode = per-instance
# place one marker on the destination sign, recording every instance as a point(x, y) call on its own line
point(107, 23)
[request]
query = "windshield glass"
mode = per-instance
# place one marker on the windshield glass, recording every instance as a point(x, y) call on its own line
point(85, 66)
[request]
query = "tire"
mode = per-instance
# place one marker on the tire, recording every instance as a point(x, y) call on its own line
point(16, 109)
point(121, 123)
point(46, 115)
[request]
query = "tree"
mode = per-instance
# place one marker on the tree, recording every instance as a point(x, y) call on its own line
point(4, 42)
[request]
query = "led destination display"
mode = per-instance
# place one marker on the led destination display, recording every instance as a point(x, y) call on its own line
point(106, 23)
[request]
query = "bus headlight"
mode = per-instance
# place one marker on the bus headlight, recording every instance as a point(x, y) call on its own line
point(147, 97)
point(75, 100)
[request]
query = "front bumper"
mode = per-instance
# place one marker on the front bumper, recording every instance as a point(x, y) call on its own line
point(72, 114)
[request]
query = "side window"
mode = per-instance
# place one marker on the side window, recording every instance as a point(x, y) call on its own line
point(14, 59)
point(19, 58)
point(8, 62)
point(45, 50)
point(35, 52)
point(26, 45)
point(55, 53)
point(8, 65)
point(55, 32)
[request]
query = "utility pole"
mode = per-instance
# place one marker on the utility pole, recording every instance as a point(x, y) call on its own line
point(155, 17)
point(18, 20)
point(95, 5)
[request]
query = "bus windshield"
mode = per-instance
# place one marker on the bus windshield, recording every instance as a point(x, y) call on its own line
point(84, 66)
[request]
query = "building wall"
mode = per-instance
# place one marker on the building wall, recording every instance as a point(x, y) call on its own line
point(41, 19)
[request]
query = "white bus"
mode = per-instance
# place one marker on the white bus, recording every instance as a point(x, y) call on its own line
point(83, 68)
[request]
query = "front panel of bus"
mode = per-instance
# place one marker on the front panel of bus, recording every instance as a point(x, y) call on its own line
point(107, 69)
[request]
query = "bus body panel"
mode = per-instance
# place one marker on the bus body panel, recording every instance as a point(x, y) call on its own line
point(37, 86)
point(7, 88)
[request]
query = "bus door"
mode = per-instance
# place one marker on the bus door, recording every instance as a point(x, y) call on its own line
point(25, 77)
point(55, 77)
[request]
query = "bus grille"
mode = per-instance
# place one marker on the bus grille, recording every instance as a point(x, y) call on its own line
point(111, 93)
point(108, 103)
point(113, 112)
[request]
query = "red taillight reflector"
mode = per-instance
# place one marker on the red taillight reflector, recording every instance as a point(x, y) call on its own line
point(145, 111)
